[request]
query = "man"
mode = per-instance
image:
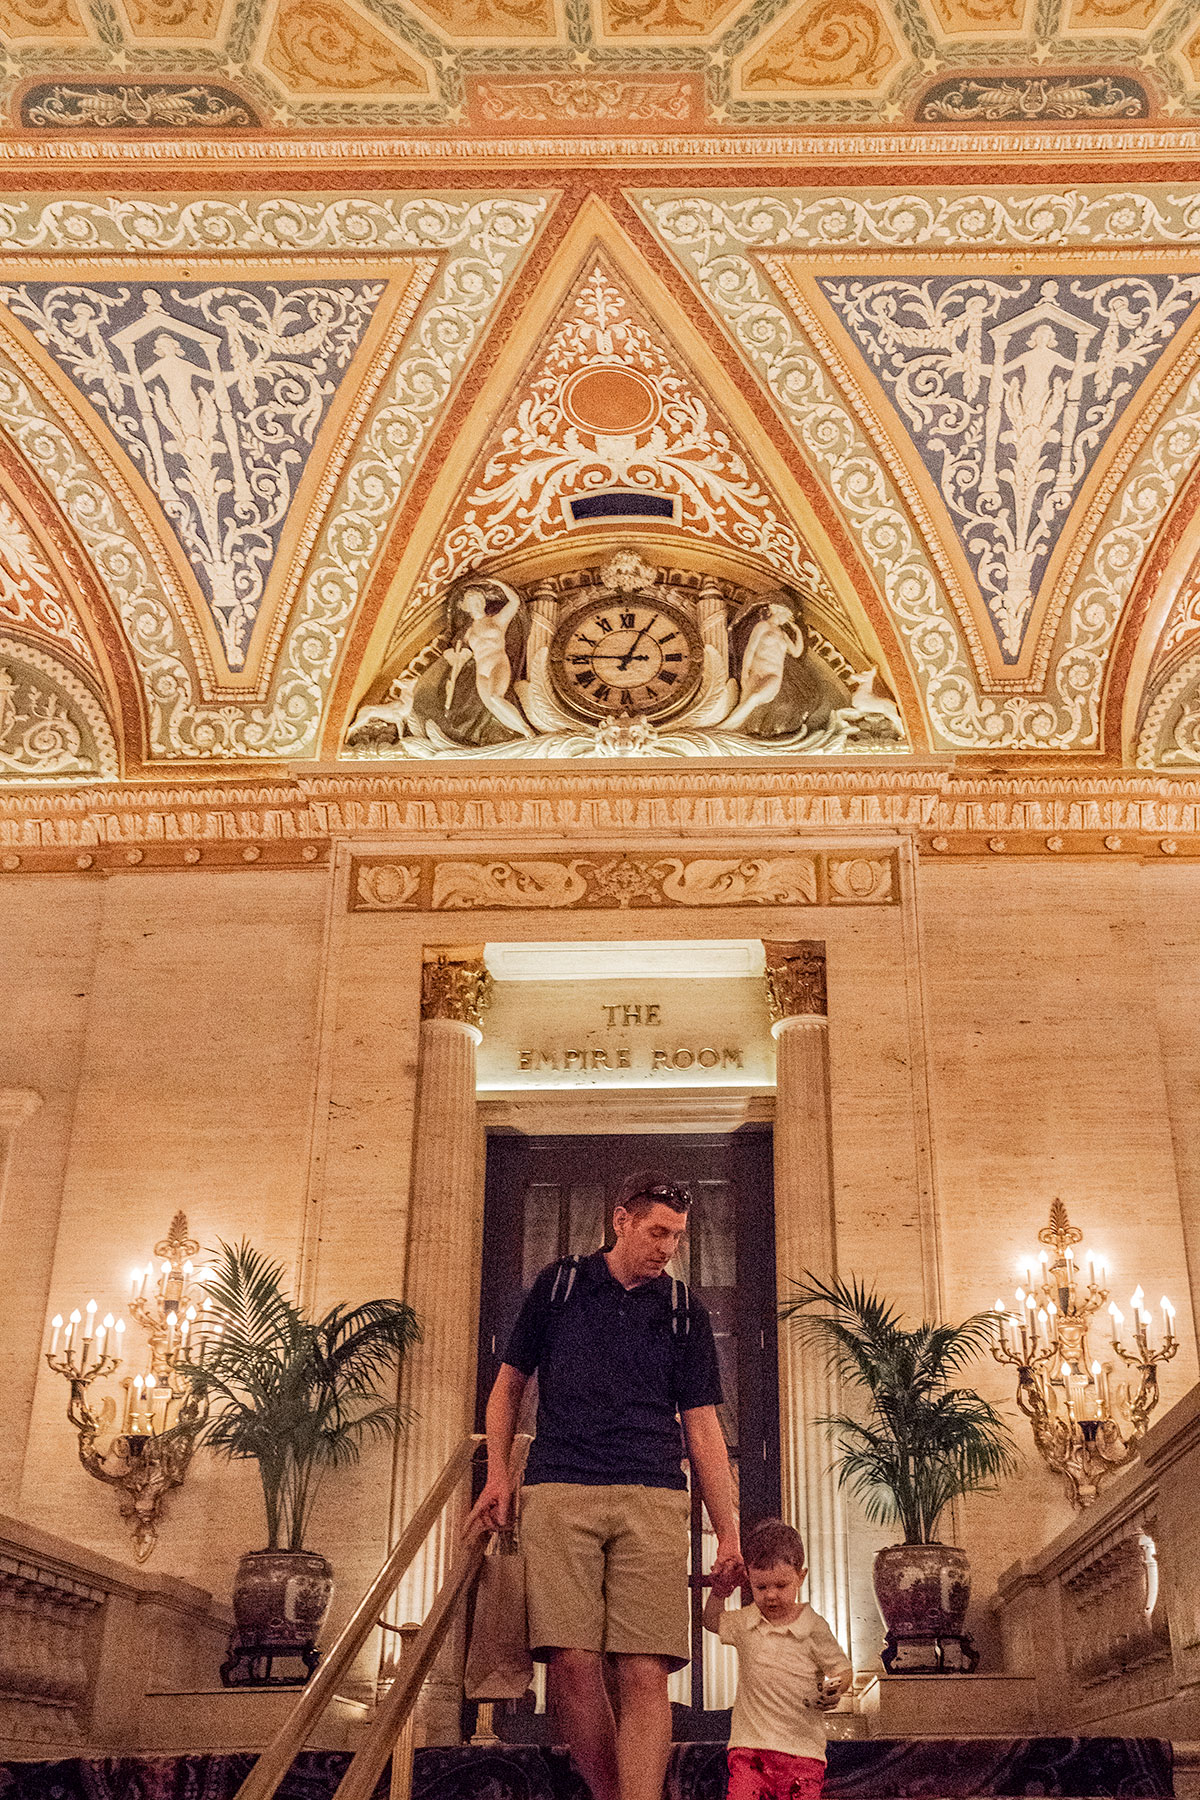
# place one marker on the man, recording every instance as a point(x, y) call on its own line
point(622, 1355)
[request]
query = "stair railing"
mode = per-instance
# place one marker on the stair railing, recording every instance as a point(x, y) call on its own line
point(393, 1714)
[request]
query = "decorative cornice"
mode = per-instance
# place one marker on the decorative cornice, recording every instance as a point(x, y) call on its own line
point(955, 146)
point(291, 822)
point(795, 977)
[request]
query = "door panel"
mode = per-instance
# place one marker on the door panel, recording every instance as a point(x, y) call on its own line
point(553, 1196)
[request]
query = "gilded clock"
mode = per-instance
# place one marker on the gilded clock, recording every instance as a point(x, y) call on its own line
point(627, 653)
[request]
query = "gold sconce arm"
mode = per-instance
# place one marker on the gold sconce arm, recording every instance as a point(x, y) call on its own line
point(145, 1452)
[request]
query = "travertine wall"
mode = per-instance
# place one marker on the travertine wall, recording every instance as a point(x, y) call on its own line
point(243, 1046)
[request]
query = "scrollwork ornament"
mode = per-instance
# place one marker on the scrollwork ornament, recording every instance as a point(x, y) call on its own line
point(460, 991)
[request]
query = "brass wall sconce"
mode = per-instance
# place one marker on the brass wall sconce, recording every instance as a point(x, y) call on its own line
point(1086, 1415)
point(143, 1443)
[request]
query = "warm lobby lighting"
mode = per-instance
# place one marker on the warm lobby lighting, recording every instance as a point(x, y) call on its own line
point(1086, 1421)
point(142, 1445)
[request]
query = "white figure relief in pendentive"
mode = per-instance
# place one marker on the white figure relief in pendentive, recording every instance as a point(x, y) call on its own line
point(775, 637)
point(1010, 412)
point(216, 393)
point(484, 640)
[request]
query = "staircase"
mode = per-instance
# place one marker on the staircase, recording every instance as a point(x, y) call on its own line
point(1088, 1768)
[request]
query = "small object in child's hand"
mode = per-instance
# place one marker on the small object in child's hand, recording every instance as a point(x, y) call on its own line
point(829, 1692)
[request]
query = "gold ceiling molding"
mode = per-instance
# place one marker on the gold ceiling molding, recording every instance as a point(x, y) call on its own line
point(1124, 149)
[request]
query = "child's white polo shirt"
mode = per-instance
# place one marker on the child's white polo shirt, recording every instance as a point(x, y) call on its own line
point(779, 1667)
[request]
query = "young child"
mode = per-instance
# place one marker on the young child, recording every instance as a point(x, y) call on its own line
point(791, 1670)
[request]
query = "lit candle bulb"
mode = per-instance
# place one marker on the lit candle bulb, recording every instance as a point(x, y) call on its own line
point(56, 1325)
point(187, 1271)
point(120, 1326)
point(1137, 1300)
point(183, 1332)
point(1118, 1319)
point(136, 1406)
point(1168, 1313)
point(1020, 1296)
point(90, 1324)
point(72, 1322)
point(1101, 1381)
point(1043, 1325)
point(136, 1279)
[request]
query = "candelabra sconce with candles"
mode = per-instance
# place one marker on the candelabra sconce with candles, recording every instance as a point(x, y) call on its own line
point(1086, 1414)
point(142, 1443)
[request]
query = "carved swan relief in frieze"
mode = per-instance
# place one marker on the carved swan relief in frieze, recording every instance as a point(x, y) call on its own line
point(625, 660)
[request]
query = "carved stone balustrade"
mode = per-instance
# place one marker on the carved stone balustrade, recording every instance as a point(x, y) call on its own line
point(48, 1643)
point(84, 1640)
point(1107, 1616)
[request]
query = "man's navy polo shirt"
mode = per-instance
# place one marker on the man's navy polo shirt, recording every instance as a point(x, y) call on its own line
point(612, 1377)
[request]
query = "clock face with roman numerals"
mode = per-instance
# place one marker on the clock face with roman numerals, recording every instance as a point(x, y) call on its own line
point(628, 654)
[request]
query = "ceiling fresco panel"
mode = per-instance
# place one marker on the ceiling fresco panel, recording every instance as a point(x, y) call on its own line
point(317, 48)
point(1020, 401)
point(843, 46)
point(208, 401)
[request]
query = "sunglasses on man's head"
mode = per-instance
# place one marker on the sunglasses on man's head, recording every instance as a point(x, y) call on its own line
point(678, 1198)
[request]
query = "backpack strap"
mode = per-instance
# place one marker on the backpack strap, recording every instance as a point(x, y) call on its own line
point(681, 1309)
point(565, 1276)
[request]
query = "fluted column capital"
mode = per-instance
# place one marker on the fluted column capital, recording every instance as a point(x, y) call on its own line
point(457, 988)
point(795, 978)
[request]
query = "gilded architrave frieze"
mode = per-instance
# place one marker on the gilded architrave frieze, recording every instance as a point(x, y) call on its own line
point(743, 253)
point(623, 882)
point(466, 248)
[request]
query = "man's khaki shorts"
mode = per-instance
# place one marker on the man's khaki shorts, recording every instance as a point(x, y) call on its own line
point(606, 1569)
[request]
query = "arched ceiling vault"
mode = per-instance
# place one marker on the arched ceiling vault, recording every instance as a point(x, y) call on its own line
point(248, 443)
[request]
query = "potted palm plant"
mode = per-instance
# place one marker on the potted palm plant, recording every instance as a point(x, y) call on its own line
point(297, 1397)
point(921, 1443)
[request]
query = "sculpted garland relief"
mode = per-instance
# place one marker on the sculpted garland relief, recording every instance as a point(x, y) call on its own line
point(866, 878)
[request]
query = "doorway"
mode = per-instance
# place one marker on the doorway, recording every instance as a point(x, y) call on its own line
point(553, 1196)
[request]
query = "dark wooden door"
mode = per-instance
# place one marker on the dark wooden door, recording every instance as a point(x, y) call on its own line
point(553, 1196)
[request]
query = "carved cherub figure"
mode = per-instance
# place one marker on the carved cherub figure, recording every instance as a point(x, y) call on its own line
point(775, 637)
point(484, 640)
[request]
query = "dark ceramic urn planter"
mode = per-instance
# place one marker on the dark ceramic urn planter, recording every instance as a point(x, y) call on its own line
point(922, 1591)
point(280, 1601)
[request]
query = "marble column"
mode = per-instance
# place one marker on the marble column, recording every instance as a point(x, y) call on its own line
point(806, 1240)
point(444, 1233)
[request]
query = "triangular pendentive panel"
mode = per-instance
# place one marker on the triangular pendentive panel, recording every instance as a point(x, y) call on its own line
point(610, 425)
point(1009, 389)
point(216, 392)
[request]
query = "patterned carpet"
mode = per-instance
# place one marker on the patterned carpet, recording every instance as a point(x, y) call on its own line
point(875, 1769)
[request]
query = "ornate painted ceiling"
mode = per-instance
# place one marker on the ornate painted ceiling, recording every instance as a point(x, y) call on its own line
point(310, 458)
point(528, 67)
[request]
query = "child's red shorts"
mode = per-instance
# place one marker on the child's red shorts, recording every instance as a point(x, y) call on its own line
point(774, 1775)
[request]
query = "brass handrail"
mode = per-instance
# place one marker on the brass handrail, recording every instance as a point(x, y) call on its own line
point(388, 1734)
point(358, 1783)
point(281, 1752)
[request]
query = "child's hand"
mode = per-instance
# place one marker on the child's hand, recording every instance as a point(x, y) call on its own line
point(830, 1689)
point(725, 1581)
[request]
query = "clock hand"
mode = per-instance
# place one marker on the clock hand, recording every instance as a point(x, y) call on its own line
point(611, 656)
point(637, 640)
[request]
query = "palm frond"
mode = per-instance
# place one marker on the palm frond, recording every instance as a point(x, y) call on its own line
point(296, 1396)
point(922, 1443)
